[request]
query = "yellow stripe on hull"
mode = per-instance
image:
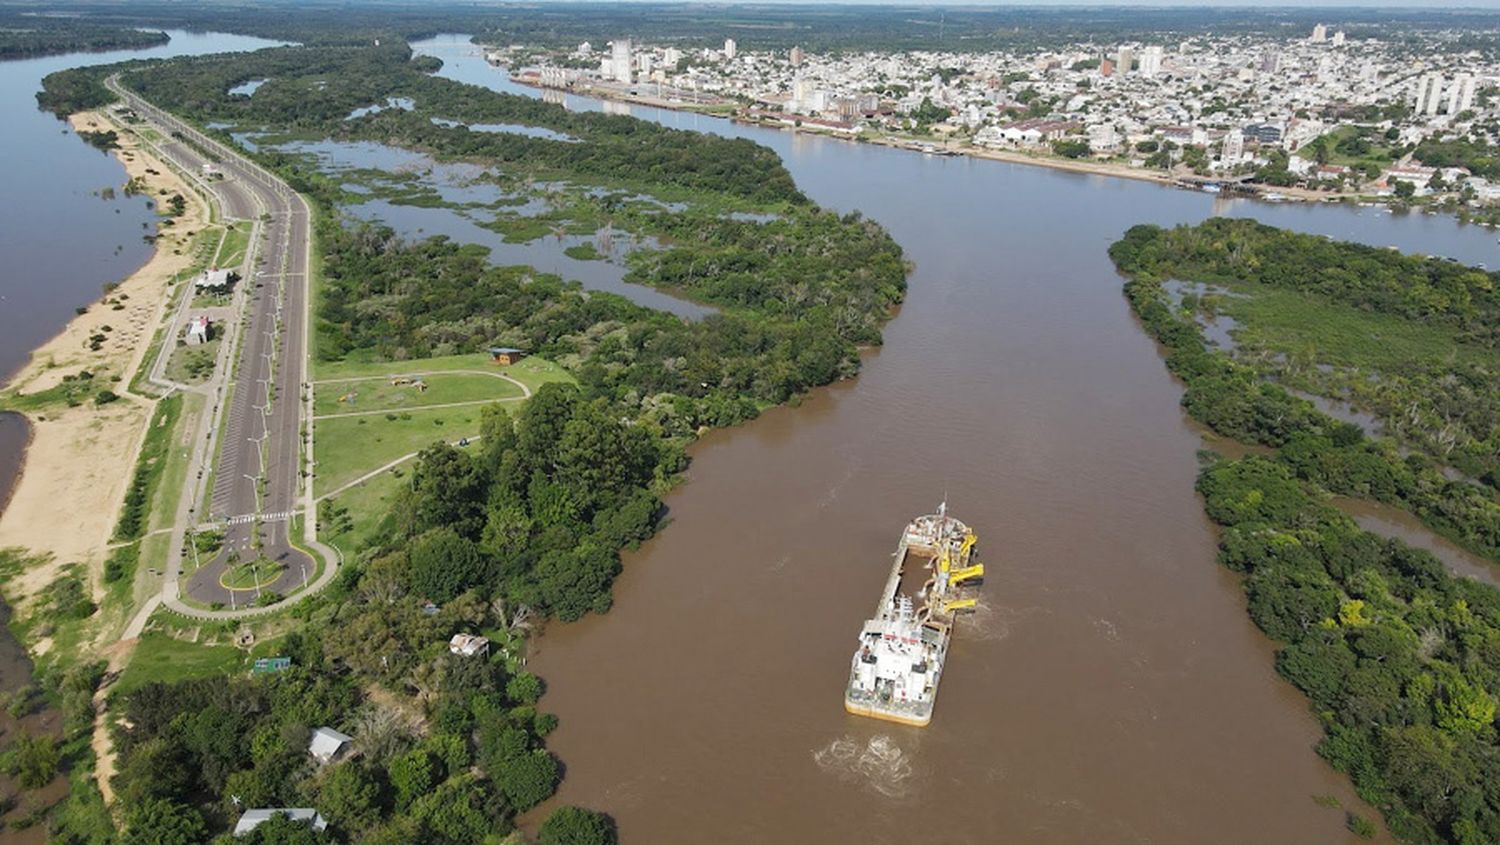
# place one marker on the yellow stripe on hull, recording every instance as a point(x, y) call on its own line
point(857, 710)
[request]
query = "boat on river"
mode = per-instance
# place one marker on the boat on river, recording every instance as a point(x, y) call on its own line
point(903, 648)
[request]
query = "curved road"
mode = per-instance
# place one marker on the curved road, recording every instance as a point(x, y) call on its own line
point(258, 481)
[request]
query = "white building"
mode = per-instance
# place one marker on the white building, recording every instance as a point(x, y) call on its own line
point(620, 59)
point(1234, 147)
point(1125, 59)
point(1320, 34)
point(729, 48)
point(1151, 61)
point(197, 331)
point(213, 279)
point(327, 745)
point(1461, 93)
point(1338, 38)
point(255, 818)
point(468, 645)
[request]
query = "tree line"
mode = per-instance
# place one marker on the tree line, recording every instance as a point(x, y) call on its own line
point(1400, 659)
point(1450, 409)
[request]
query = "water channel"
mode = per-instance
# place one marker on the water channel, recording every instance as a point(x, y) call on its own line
point(1112, 689)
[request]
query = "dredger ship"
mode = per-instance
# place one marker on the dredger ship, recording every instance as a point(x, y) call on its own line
point(902, 650)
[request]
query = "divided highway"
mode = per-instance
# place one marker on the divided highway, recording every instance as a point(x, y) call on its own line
point(258, 485)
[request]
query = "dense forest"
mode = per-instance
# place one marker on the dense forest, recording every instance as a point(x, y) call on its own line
point(1445, 404)
point(1398, 657)
point(446, 748)
point(29, 36)
point(316, 89)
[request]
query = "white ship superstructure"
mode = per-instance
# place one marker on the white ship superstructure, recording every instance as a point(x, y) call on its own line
point(896, 668)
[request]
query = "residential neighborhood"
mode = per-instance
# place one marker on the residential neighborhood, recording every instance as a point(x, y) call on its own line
point(1355, 114)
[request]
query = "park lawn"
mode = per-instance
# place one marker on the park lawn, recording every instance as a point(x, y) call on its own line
point(234, 246)
point(365, 506)
point(194, 364)
point(1379, 154)
point(176, 453)
point(532, 372)
point(159, 657)
point(379, 394)
point(1342, 336)
point(348, 447)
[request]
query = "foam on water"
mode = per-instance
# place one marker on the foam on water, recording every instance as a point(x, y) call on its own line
point(878, 763)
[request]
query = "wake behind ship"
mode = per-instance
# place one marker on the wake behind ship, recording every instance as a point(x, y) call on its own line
point(902, 650)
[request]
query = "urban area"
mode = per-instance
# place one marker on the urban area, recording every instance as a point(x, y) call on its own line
point(1323, 115)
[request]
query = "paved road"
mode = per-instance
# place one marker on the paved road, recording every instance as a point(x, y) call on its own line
point(258, 481)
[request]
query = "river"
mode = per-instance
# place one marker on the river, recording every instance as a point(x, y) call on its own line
point(1112, 688)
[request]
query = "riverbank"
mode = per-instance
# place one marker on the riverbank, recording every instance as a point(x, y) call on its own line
point(1092, 167)
point(72, 482)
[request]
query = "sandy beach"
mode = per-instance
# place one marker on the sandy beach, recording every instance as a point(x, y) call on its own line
point(80, 459)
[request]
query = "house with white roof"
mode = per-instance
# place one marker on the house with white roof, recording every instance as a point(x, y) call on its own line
point(255, 818)
point(328, 745)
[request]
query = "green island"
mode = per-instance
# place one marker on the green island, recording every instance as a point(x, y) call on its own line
point(1398, 657)
point(465, 497)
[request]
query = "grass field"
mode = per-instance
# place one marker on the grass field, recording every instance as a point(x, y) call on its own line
point(159, 657)
point(363, 507)
point(175, 454)
point(234, 246)
point(532, 372)
point(379, 394)
point(1309, 326)
point(1379, 154)
point(348, 447)
point(193, 364)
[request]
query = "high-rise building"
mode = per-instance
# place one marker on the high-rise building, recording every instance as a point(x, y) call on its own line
point(1461, 93)
point(729, 48)
point(670, 57)
point(797, 57)
point(1125, 61)
point(1419, 94)
point(620, 59)
point(1270, 62)
point(1151, 61)
point(1234, 146)
point(1320, 34)
point(1338, 38)
point(1106, 67)
point(1434, 94)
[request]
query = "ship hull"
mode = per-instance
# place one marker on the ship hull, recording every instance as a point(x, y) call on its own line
point(875, 711)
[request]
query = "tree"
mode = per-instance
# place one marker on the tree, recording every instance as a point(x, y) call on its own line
point(158, 821)
point(576, 826)
point(527, 779)
point(33, 760)
point(447, 490)
point(349, 798)
point(413, 775)
point(1404, 189)
point(444, 564)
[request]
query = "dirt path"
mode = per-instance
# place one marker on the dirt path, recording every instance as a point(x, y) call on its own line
point(101, 741)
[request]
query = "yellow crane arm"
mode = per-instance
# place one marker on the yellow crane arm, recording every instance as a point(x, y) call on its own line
point(959, 604)
point(966, 573)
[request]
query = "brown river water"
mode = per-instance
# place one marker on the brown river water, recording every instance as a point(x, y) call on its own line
point(1111, 688)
